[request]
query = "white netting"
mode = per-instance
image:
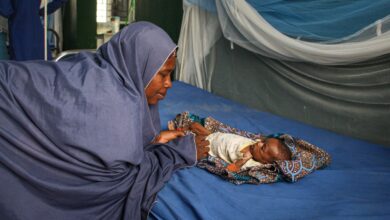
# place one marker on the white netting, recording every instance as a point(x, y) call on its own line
point(242, 25)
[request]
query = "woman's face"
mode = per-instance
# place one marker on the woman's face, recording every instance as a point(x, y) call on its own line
point(161, 82)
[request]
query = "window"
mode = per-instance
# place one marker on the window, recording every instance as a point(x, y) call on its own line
point(103, 10)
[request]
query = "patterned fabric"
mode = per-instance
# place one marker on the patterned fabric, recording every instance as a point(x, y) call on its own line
point(306, 157)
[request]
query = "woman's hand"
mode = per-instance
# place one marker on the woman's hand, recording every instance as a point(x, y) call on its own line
point(166, 136)
point(201, 147)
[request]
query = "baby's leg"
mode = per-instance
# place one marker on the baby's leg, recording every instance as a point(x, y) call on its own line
point(198, 129)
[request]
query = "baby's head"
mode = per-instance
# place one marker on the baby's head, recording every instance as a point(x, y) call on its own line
point(269, 150)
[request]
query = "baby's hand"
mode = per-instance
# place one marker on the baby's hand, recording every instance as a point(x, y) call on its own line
point(233, 168)
point(247, 155)
point(167, 136)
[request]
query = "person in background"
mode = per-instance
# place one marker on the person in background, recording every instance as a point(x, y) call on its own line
point(26, 33)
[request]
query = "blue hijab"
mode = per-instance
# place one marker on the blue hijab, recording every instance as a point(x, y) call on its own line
point(75, 135)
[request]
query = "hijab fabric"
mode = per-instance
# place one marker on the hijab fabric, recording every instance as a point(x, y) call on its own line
point(75, 135)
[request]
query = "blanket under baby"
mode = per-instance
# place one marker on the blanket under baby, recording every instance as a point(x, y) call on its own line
point(306, 157)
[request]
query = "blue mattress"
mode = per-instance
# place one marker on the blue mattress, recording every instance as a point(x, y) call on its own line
point(354, 186)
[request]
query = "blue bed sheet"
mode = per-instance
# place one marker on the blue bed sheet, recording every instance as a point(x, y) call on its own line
point(354, 186)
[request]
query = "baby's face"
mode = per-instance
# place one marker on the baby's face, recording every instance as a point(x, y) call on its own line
point(266, 151)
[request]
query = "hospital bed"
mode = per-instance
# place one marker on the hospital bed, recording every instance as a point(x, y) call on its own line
point(354, 186)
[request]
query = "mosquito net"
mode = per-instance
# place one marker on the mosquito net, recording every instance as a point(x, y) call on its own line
point(325, 63)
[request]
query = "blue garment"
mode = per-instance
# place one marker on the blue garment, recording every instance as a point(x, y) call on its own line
point(26, 33)
point(75, 136)
point(52, 6)
point(6, 8)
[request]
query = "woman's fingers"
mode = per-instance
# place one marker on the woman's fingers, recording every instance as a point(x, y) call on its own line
point(180, 133)
point(166, 136)
point(171, 126)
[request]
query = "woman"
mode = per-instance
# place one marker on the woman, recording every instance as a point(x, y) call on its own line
point(26, 33)
point(80, 138)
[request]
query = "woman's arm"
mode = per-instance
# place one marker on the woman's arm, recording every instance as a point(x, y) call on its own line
point(167, 136)
point(159, 163)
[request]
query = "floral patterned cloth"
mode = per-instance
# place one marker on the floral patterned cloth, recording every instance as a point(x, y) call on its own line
point(306, 157)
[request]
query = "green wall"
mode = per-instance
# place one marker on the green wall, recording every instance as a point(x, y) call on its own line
point(165, 13)
point(79, 25)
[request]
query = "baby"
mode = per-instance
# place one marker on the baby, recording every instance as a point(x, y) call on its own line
point(241, 152)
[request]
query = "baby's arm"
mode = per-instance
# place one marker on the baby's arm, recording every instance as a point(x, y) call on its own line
point(198, 129)
point(236, 165)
